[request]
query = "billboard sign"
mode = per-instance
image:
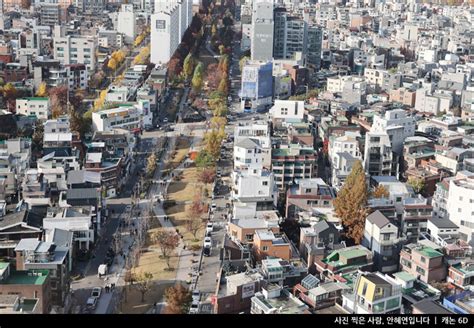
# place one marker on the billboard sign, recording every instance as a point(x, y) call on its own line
point(248, 290)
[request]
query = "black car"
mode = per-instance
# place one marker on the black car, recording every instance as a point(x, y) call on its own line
point(207, 251)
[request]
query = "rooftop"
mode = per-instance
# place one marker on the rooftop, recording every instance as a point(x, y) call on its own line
point(30, 277)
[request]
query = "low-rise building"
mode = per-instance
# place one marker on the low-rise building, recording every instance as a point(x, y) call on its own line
point(382, 238)
point(32, 254)
point(461, 274)
point(27, 283)
point(266, 243)
point(273, 299)
point(345, 261)
point(309, 194)
point(37, 106)
point(373, 294)
point(423, 262)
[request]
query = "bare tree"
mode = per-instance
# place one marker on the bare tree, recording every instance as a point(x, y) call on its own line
point(143, 282)
point(168, 242)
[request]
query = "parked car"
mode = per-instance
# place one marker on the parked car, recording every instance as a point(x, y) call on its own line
point(165, 120)
point(96, 292)
point(207, 242)
point(209, 227)
point(213, 206)
point(194, 309)
point(207, 251)
point(196, 296)
point(91, 303)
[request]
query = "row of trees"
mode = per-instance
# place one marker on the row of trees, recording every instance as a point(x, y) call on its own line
point(116, 59)
point(139, 39)
point(143, 56)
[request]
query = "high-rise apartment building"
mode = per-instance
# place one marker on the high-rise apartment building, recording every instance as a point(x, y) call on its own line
point(127, 22)
point(168, 25)
point(261, 47)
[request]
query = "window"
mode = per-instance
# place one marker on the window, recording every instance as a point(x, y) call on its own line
point(420, 270)
point(423, 259)
point(264, 183)
point(249, 237)
point(459, 210)
point(460, 198)
point(308, 191)
point(364, 289)
point(284, 111)
point(265, 248)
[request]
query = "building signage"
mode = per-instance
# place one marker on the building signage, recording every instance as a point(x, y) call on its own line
point(248, 290)
point(160, 24)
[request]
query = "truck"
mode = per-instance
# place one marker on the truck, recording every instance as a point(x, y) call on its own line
point(102, 270)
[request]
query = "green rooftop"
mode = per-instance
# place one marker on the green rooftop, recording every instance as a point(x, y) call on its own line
point(30, 277)
point(36, 98)
point(429, 252)
point(405, 276)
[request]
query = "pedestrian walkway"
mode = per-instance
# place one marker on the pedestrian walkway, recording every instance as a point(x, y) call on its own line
point(116, 275)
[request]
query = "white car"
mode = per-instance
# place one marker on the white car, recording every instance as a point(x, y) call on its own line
point(194, 309)
point(209, 227)
point(196, 296)
point(96, 292)
point(213, 206)
point(207, 242)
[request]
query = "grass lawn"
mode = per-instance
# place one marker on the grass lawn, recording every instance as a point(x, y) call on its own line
point(178, 216)
point(186, 188)
point(134, 304)
point(182, 149)
point(150, 261)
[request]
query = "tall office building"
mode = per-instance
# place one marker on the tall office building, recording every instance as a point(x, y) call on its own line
point(315, 43)
point(261, 47)
point(168, 25)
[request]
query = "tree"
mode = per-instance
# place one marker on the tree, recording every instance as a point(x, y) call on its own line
point(224, 86)
point(195, 212)
point(25, 4)
point(79, 123)
point(143, 282)
point(418, 184)
point(213, 141)
point(204, 159)
point(243, 61)
point(188, 66)
point(38, 134)
point(112, 64)
point(218, 122)
point(96, 80)
point(380, 192)
point(42, 90)
point(213, 30)
point(10, 94)
point(197, 78)
point(168, 241)
point(213, 76)
point(58, 97)
point(207, 175)
point(99, 102)
point(178, 299)
point(151, 165)
point(350, 204)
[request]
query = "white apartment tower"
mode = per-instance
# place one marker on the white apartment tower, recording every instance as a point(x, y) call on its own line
point(168, 25)
point(127, 22)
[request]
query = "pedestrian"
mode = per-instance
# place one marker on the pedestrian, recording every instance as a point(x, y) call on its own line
point(113, 286)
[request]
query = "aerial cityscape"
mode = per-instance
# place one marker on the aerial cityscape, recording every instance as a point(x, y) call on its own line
point(237, 157)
